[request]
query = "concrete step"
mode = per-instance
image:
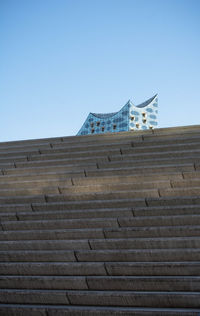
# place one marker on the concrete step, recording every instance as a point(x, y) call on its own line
point(188, 191)
point(122, 238)
point(56, 147)
point(151, 268)
point(12, 160)
point(104, 255)
point(101, 244)
point(161, 148)
point(132, 178)
point(62, 158)
point(110, 161)
point(148, 193)
point(12, 208)
point(143, 161)
point(33, 296)
point(8, 209)
point(42, 141)
point(140, 170)
point(61, 268)
point(160, 167)
point(102, 298)
point(102, 222)
point(56, 268)
point(60, 310)
point(158, 133)
point(44, 245)
point(116, 203)
point(162, 184)
point(145, 243)
point(61, 224)
point(59, 180)
point(29, 191)
point(15, 256)
point(179, 130)
point(96, 204)
point(166, 210)
point(102, 195)
point(160, 231)
point(37, 158)
point(133, 298)
point(8, 216)
point(6, 164)
point(55, 187)
point(156, 155)
point(95, 233)
point(52, 282)
point(35, 184)
point(29, 142)
point(103, 283)
point(157, 220)
point(60, 194)
point(61, 161)
point(185, 183)
point(56, 234)
point(100, 154)
point(21, 200)
point(191, 175)
point(109, 149)
point(157, 204)
point(27, 146)
point(152, 140)
point(172, 201)
point(72, 214)
point(115, 187)
point(120, 138)
point(46, 169)
point(107, 212)
point(27, 206)
point(42, 176)
point(76, 139)
point(98, 151)
point(127, 163)
point(141, 283)
point(104, 138)
point(75, 145)
point(134, 141)
point(19, 153)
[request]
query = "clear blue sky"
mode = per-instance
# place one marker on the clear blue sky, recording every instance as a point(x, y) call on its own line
point(61, 59)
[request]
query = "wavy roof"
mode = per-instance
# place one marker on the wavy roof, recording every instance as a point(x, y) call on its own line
point(142, 105)
point(106, 115)
point(100, 115)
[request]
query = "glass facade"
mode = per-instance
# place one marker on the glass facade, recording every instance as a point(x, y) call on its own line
point(130, 117)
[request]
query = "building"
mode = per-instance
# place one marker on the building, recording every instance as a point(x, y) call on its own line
point(131, 117)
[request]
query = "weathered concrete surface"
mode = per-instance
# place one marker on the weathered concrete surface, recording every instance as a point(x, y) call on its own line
point(101, 224)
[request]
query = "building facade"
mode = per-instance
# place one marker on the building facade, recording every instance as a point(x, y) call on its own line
point(131, 117)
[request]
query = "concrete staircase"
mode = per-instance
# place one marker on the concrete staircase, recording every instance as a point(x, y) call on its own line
point(101, 224)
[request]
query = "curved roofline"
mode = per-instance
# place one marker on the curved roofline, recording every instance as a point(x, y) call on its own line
point(102, 115)
point(107, 115)
point(142, 105)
